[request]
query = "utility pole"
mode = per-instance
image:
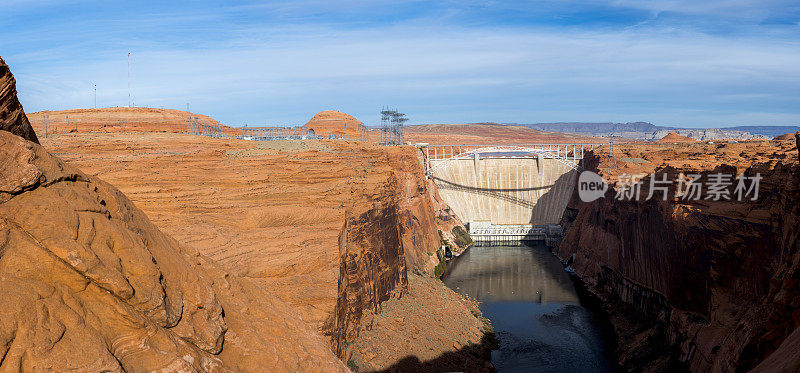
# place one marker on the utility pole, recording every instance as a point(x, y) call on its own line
point(188, 122)
point(611, 148)
point(95, 95)
point(129, 79)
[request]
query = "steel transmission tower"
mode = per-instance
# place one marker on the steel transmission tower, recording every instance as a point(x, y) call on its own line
point(392, 123)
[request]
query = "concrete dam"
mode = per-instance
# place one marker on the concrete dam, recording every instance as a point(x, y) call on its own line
point(507, 191)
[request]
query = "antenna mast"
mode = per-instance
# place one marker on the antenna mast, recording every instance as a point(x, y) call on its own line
point(129, 79)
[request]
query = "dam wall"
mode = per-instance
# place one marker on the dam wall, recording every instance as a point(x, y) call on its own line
point(506, 190)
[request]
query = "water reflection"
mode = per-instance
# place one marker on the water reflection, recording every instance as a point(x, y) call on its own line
point(533, 307)
point(511, 274)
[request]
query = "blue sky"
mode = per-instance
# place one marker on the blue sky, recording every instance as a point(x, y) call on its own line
point(669, 62)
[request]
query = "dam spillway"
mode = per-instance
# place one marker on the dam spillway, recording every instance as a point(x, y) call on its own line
point(511, 189)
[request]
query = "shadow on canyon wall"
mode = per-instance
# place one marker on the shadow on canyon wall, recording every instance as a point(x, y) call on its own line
point(556, 198)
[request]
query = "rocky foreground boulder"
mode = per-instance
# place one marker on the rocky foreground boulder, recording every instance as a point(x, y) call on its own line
point(88, 283)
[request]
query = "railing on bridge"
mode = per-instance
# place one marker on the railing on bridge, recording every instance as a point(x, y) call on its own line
point(442, 152)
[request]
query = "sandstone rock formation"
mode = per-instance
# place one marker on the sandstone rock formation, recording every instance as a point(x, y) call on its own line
point(90, 284)
point(379, 243)
point(332, 122)
point(122, 119)
point(785, 136)
point(12, 117)
point(674, 137)
point(373, 265)
point(273, 211)
point(648, 131)
point(715, 279)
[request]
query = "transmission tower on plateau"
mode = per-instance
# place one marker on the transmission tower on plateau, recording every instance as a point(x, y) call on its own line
point(392, 123)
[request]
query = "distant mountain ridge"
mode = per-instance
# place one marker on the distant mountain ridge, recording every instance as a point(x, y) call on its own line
point(649, 131)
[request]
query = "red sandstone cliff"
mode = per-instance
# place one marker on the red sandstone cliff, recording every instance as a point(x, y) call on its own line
point(380, 242)
point(12, 116)
point(372, 265)
point(332, 122)
point(90, 284)
point(709, 286)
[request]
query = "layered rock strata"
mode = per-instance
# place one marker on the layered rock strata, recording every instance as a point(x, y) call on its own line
point(705, 285)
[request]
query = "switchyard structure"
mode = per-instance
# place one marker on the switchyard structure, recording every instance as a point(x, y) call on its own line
point(392, 122)
point(193, 126)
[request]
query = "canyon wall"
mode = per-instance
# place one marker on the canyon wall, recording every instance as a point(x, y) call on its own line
point(12, 116)
point(380, 241)
point(704, 285)
point(90, 284)
point(372, 265)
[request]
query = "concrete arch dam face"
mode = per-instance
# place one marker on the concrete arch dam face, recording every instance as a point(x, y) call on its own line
point(521, 191)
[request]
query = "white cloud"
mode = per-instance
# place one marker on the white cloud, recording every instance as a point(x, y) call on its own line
point(437, 73)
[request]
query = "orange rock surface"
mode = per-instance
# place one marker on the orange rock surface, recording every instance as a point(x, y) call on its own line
point(92, 284)
point(674, 137)
point(120, 119)
point(332, 122)
point(274, 211)
point(12, 117)
point(694, 284)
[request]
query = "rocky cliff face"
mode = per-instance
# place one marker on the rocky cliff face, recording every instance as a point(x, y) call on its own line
point(372, 265)
point(396, 231)
point(706, 134)
point(706, 285)
point(90, 284)
point(12, 117)
point(648, 131)
point(332, 122)
point(123, 119)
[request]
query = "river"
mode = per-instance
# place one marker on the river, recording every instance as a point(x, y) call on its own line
point(534, 308)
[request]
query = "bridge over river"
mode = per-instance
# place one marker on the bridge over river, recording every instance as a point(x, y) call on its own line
point(507, 192)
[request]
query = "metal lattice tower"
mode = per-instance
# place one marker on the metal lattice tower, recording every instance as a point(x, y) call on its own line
point(392, 122)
